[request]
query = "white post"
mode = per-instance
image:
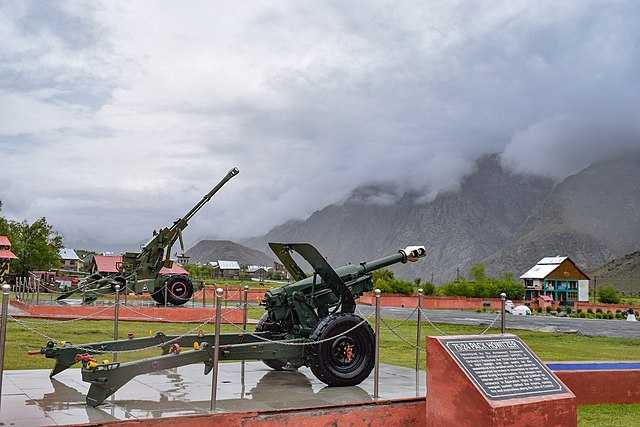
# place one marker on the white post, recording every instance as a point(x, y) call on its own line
point(3, 330)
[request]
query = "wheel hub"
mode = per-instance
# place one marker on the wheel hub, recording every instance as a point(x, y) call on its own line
point(344, 351)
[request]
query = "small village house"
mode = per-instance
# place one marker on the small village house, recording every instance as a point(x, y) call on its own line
point(6, 255)
point(557, 278)
point(260, 272)
point(109, 264)
point(227, 269)
point(70, 259)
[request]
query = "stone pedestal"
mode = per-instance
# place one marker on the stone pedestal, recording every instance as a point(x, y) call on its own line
point(491, 387)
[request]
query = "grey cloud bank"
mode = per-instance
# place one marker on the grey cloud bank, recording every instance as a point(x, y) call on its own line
point(116, 117)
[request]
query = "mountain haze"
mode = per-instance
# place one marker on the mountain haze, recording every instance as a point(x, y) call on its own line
point(213, 250)
point(506, 220)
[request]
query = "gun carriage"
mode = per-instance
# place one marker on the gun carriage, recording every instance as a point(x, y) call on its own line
point(143, 271)
point(310, 322)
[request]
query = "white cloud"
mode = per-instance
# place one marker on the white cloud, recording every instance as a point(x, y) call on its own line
point(116, 117)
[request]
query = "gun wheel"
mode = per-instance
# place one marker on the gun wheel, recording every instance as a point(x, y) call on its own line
point(264, 325)
point(346, 360)
point(179, 291)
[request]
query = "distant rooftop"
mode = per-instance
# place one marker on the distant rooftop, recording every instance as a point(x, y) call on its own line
point(68, 254)
point(4, 241)
point(228, 265)
point(254, 268)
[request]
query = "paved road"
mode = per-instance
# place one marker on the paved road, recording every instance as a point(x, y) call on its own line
point(592, 327)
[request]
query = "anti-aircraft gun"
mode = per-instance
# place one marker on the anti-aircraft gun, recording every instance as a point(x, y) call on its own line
point(309, 322)
point(142, 271)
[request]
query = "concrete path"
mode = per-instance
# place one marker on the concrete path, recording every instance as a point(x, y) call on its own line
point(591, 327)
point(31, 398)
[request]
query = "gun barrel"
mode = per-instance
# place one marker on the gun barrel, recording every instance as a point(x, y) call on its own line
point(410, 253)
point(233, 172)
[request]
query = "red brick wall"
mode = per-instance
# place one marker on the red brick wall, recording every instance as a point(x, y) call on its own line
point(592, 387)
point(399, 413)
point(148, 314)
point(443, 303)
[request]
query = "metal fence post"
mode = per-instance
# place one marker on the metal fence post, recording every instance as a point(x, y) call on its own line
point(245, 317)
point(503, 298)
point(204, 295)
point(3, 331)
point(245, 303)
point(376, 368)
point(166, 295)
point(216, 348)
point(116, 318)
point(418, 337)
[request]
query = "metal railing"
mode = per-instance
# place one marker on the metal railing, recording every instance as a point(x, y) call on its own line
point(378, 322)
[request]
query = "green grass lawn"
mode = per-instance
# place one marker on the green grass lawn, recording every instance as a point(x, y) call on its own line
point(550, 347)
point(608, 415)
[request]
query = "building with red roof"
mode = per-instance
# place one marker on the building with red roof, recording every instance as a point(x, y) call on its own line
point(6, 255)
point(107, 264)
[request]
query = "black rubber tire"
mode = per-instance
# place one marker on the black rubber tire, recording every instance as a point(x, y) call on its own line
point(120, 281)
point(329, 360)
point(265, 325)
point(180, 290)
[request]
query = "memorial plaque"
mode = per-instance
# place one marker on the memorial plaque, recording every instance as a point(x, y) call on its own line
point(503, 367)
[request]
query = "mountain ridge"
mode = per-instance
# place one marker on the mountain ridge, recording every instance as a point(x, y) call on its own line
point(504, 219)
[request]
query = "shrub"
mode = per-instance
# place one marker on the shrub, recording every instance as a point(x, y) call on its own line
point(388, 284)
point(568, 310)
point(610, 316)
point(482, 286)
point(618, 315)
point(618, 311)
point(598, 310)
point(582, 315)
point(554, 313)
point(539, 309)
point(579, 311)
point(589, 310)
point(608, 295)
point(548, 309)
point(598, 315)
point(429, 288)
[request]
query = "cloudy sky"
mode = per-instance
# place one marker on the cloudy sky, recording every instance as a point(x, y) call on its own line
point(115, 117)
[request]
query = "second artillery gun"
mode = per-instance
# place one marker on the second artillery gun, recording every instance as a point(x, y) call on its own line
point(309, 322)
point(143, 271)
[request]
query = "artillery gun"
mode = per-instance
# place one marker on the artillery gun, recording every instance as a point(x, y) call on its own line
point(309, 322)
point(142, 271)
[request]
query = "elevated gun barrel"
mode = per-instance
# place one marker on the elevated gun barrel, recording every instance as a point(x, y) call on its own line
point(233, 172)
point(410, 253)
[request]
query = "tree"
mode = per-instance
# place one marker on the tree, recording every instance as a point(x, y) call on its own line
point(478, 273)
point(36, 245)
point(608, 295)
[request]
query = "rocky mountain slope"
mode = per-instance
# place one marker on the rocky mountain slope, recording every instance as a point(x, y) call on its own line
point(506, 220)
point(622, 272)
point(213, 250)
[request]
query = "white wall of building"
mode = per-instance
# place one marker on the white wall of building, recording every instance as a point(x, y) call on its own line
point(583, 290)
